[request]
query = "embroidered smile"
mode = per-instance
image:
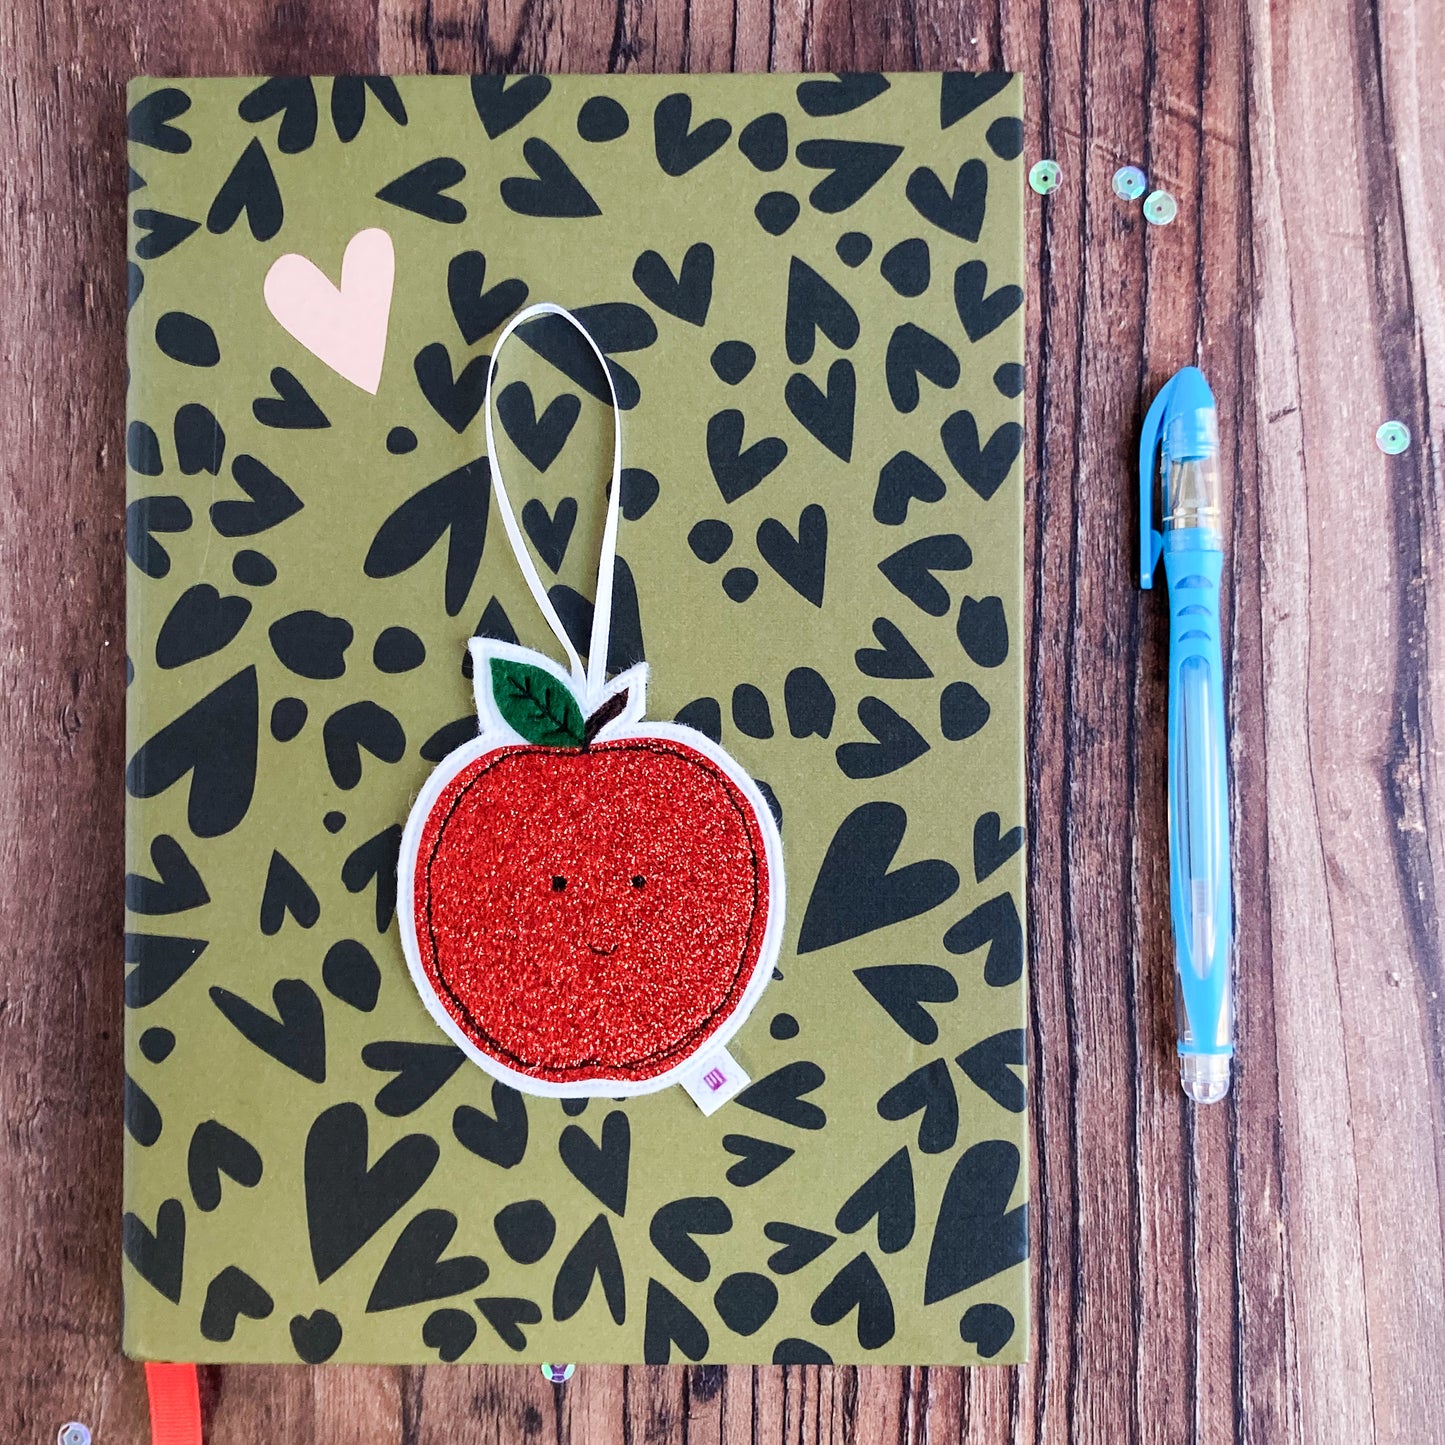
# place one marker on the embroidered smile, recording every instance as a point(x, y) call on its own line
point(604, 952)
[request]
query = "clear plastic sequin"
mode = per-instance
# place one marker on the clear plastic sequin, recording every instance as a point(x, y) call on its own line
point(1160, 208)
point(1044, 176)
point(1129, 183)
point(73, 1433)
point(1393, 438)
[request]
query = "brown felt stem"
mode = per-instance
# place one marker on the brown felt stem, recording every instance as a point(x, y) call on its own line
point(604, 715)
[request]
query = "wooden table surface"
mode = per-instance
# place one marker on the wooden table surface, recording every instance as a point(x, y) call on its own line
point(1271, 1270)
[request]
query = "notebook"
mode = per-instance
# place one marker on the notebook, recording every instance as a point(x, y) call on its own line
point(808, 294)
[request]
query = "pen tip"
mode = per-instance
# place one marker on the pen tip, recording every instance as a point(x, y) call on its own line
point(1205, 1077)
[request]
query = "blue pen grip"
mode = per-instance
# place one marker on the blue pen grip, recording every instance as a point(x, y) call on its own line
point(1199, 884)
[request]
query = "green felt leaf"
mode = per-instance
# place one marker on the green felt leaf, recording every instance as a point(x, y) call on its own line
point(537, 705)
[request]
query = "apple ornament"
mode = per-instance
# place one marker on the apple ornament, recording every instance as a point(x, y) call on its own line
point(589, 903)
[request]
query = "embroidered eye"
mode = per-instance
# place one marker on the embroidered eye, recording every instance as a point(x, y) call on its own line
point(638, 880)
point(558, 883)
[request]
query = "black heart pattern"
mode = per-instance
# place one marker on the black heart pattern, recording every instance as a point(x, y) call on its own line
point(991, 1062)
point(914, 352)
point(897, 744)
point(295, 1036)
point(142, 1118)
point(286, 892)
point(801, 560)
point(148, 122)
point(780, 1095)
point(456, 504)
point(229, 1296)
point(502, 102)
point(669, 1322)
point(249, 190)
point(551, 190)
point(478, 311)
point(347, 1202)
point(215, 742)
point(886, 1196)
point(422, 190)
point(757, 1158)
point(217, 1150)
point(984, 467)
point(990, 850)
point(800, 1246)
point(910, 569)
point(456, 397)
point(962, 92)
point(838, 94)
point(826, 415)
point(539, 438)
point(986, 1326)
point(854, 166)
point(977, 1235)
point(894, 656)
point(858, 1286)
point(159, 1257)
point(178, 888)
point(200, 440)
point(360, 725)
point(315, 1337)
point(855, 891)
point(615, 326)
point(450, 1332)
point(679, 145)
point(415, 1270)
point(271, 501)
point(903, 989)
point(600, 1165)
point(507, 1315)
point(500, 1136)
point(348, 102)
point(293, 98)
point(143, 519)
point(815, 305)
point(959, 211)
point(420, 1069)
point(994, 924)
point(594, 1257)
point(164, 233)
point(292, 408)
point(980, 311)
point(374, 861)
point(930, 1089)
point(735, 471)
point(159, 961)
point(674, 1225)
point(688, 295)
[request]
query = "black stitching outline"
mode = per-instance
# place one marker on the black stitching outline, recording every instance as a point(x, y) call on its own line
point(459, 1011)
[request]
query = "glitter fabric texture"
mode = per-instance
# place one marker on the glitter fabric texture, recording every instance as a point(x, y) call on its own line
point(591, 913)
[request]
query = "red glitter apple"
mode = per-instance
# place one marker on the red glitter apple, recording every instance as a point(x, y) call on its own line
point(588, 903)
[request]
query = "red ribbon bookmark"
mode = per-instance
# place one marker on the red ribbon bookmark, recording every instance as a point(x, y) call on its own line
point(175, 1404)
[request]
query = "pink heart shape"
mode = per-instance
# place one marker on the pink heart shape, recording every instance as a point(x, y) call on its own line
point(346, 327)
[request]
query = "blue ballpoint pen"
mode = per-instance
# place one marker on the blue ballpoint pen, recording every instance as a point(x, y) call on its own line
point(1181, 431)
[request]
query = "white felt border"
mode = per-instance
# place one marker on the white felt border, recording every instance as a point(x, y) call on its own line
point(496, 737)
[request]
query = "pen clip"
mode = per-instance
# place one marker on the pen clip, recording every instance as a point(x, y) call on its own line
point(1151, 539)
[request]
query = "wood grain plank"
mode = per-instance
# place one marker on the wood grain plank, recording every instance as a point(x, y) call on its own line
point(1363, 1205)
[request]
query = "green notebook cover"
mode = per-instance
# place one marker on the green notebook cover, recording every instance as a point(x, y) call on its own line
point(809, 291)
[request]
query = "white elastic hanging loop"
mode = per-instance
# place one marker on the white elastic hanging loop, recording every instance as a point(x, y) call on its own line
point(594, 677)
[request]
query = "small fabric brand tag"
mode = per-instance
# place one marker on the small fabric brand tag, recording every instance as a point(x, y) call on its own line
point(714, 1079)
